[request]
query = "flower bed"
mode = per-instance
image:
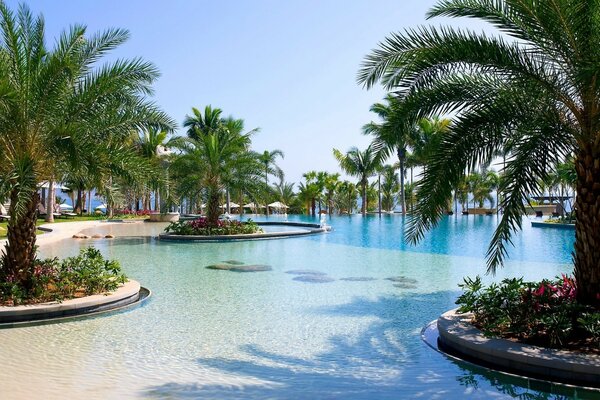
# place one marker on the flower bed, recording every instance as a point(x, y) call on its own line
point(55, 280)
point(202, 227)
point(543, 313)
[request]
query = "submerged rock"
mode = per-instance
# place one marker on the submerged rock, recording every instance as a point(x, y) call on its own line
point(80, 236)
point(251, 268)
point(233, 262)
point(109, 236)
point(314, 278)
point(240, 268)
point(405, 286)
point(402, 279)
point(358, 279)
point(97, 236)
point(305, 272)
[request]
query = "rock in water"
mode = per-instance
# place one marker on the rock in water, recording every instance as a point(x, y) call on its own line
point(358, 279)
point(314, 278)
point(305, 272)
point(224, 267)
point(251, 268)
point(402, 279)
point(97, 236)
point(405, 286)
point(240, 268)
point(233, 262)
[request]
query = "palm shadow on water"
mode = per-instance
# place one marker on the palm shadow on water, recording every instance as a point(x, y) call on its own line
point(388, 360)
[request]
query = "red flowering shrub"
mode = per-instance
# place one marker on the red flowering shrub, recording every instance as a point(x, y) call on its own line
point(543, 312)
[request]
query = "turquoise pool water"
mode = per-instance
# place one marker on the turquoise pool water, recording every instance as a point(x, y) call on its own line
point(226, 335)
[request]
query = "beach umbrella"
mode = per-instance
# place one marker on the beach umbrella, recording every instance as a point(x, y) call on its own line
point(46, 185)
point(277, 204)
point(231, 205)
point(65, 207)
point(252, 205)
point(101, 207)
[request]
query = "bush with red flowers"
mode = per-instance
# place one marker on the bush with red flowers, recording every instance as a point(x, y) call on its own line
point(544, 313)
point(201, 226)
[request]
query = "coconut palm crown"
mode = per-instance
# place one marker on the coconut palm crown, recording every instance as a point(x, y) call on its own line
point(60, 109)
point(532, 94)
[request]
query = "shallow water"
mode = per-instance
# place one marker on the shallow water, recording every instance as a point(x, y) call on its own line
point(222, 334)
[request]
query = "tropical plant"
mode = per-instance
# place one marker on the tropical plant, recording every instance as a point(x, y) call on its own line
point(268, 158)
point(218, 158)
point(60, 109)
point(392, 134)
point(345, 197)
point(361, 164)
point(390, 188)
point(331, 184)
point(531, 95)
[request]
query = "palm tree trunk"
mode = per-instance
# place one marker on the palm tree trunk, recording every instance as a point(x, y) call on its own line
point(228, 201)
point(363, 208)
point(213, 209)
point(587, 234)
point(379, 191)
point(78, 202)
point(401, 157)
point(50, 202)
point(267, 188)
point(156, 201)
point(313, 205)
point(19, 251)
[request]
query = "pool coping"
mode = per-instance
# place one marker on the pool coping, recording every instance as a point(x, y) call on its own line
point(314, 229)
point(540, 224)
point(126, 294)
point(457, 336)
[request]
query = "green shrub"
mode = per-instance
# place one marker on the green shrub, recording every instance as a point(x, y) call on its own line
point(54, 280)
point(201, 226)
point(543, 312)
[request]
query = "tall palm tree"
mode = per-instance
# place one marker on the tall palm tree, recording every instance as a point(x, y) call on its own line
point(219, 158)
point(532, 94)
point(60, 109)
point(393, 134)
point(198, 124)
point(345, 197)
point(361, 164)
point(332, 183)
point(152, 144)
point(389, 188)
point(268, 159)
point(311, 187)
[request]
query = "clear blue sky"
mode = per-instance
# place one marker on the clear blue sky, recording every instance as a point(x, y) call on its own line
point(288, 67)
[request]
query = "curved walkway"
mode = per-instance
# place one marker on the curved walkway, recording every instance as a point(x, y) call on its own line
point(458, 337)
point(60, 230)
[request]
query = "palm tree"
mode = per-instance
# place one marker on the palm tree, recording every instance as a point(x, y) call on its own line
point(313, 188)
point(389, 188)
point(219, 158)
point(392, 134)
point(332, 182)
point(361, 164)
point(60, 109)
point(152, 145)
point(267, 158)
point(199, 124)
point(345, 197)
point(534, 97)
point(307, 193)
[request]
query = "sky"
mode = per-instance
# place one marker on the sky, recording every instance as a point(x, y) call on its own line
point(286, 67)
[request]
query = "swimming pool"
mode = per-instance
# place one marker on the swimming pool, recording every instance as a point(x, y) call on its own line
point(221, 334)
